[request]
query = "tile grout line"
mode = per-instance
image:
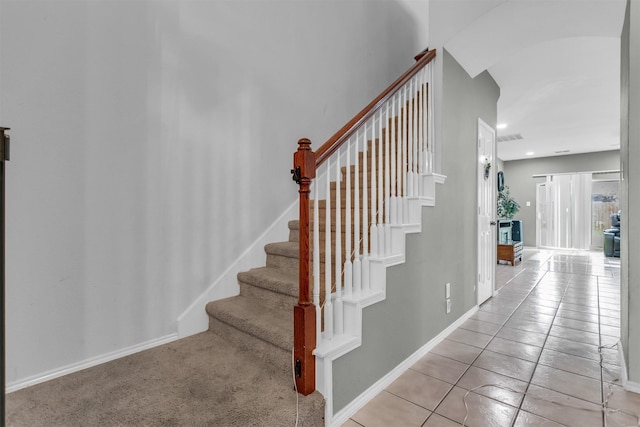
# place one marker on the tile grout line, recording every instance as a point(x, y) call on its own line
point(485, 347)
point(602, 399)
point(524, 394)
point(571, 280)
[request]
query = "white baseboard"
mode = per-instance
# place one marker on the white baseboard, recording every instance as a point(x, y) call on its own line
point(345, 413)
point(88, 363)
point(194, 319)
point(628, 385)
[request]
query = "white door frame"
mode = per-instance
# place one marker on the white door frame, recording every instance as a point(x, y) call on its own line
point(486, 212)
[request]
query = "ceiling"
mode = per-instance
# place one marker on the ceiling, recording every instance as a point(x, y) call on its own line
point(557, 63)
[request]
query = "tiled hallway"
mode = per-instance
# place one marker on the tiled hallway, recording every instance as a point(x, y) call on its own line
point(541, 352)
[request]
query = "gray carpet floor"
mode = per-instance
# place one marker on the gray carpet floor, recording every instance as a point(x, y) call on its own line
point(197, 381)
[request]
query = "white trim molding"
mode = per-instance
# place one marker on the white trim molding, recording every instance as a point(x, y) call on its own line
point(88, 363)
point(329, 350)
point(626, 384)
point(344, 414)
point(195, 319)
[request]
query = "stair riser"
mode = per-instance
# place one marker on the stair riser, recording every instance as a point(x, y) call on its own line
point(343, 189)
point(294, 231)
point(283, 263)
point(268, 297)
point(275, 359)
point(322, 216)
point(322, 205)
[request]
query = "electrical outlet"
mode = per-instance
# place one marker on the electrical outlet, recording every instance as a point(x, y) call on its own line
point(448, 308)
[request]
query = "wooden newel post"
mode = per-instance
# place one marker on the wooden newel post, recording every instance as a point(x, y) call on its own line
point(304, 314)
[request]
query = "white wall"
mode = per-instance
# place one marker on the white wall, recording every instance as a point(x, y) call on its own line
point(152, 143)
point(630, 166)
point(446, 19)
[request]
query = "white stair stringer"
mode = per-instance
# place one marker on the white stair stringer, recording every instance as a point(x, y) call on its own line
point(329, 350)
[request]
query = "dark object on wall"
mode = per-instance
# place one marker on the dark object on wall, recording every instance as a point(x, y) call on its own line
point(4, 156)
point(500, 181)
point(516, 230)
point(612, 237)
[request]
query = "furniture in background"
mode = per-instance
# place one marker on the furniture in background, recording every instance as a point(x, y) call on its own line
point(509, 230)
point(510, 245)
point(510, 252)
point(516, 230)
point(612, 237)
point(504, 231)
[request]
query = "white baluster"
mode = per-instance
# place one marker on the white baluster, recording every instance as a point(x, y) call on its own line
point(328, 306)
point(403, 164)
point(365, 213)
point(418, 100)
point(373, 230)
point(348, 266)
point(316, 263)
point(357, 266)
point(416, 133)
point(389, 182)
point(432, 132)
point(410, 139)
point(382, 181)
point(339, 324)
point(395, 138)
point(423, 122)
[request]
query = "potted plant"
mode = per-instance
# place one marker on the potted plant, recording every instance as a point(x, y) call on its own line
point(507, 206)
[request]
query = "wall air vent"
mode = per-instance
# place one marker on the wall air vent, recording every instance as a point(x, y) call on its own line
point(563, 151)
point(512, 137)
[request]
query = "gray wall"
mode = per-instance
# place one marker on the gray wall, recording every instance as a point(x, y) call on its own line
point(630, 155)
point(518, 177)
point(152, 143)
point(445, 251)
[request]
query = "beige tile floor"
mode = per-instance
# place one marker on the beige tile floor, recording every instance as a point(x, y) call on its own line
point(542, 352)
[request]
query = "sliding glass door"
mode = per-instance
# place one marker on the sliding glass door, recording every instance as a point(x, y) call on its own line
point(604, 202)
point(564, 211)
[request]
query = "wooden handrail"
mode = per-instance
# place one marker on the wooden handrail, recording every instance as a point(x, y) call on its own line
point(333, 143)
point(305, 163)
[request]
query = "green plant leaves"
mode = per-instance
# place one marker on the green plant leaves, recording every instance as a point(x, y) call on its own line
point(507, 206)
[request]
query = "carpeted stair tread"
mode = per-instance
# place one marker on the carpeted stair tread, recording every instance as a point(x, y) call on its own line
point(286, 249)
point(274, 326)
point(271, 279)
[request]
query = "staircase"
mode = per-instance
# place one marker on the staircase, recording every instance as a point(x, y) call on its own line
point(360, 193)
point(259, 321)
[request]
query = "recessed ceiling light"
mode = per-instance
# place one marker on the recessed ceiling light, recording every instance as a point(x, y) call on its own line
point(501, 125)
point(529, 153)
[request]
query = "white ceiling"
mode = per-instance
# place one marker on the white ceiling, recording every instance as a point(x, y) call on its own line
point(557, 63)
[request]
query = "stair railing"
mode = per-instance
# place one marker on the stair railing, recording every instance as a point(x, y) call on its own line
point(366, 174)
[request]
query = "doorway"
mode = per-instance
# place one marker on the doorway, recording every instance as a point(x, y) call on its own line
point(486, 179)
point(573, 210)
point(605, 200)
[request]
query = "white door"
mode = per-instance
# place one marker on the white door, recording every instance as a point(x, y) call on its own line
point(486, 210)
